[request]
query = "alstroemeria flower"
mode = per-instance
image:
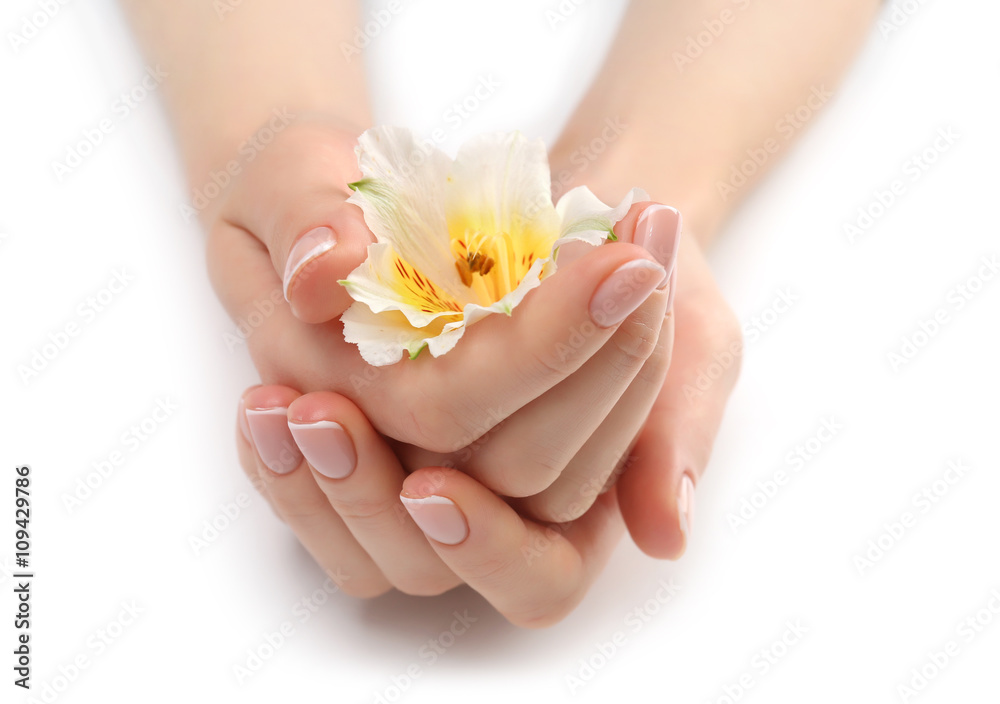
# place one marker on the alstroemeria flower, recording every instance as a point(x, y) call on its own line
point(457, 239)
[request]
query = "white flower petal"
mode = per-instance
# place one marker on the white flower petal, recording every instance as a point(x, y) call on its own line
point(488, 214)
point(586, 218)
point(382, 338)
point(447, 339)
point(402, 195)
point(583, 216)
point(503, 181)
point(375, 283)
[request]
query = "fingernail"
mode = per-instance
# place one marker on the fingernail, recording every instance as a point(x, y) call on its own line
point(327, 446)
point(310, 245)
point(658, 230)
point(624, 291)
point(685, 506)
point(241, 414)
point(273, 439)
point(438, 517)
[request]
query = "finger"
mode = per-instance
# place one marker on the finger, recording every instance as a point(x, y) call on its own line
point(501, 364)
point(361, 478)
point(658, 229)
point(294, 201)
point(656, 491)
point(528, 451)
point(247, 459)
point(533, 574)
point(298, 499)
point(446, 404)
point(588, 472)
point(443, 405)
point(554, 336)
point(504, 363)
point(241, 273)
point(647, 224)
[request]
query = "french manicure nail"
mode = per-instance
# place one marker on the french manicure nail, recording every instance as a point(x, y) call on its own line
point(685, 506)
point(327, 447)
point(273, 439)
point(624, 291)
point(310, 245)
point(438, 517)
point(658, 230)
point(241, 413)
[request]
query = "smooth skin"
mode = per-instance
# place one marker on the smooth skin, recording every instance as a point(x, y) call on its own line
point(500, 365)
point(686, 126)
point(357, 531)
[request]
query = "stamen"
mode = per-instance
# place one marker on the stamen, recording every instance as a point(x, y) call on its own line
point(480, 253)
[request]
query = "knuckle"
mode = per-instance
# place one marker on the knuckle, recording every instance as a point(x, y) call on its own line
point(297, 508)
point(553, 363)
point(635, 341)
point(490, 571)
point(366, 510)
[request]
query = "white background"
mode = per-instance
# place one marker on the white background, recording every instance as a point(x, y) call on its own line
point(826, 357)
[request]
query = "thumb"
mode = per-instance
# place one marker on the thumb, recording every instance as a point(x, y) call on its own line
point(321, 257)
point(293, 199)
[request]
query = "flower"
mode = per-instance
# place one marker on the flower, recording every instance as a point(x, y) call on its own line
point(457, 239)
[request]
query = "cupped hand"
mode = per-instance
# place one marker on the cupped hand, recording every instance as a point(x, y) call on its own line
point(372, 526)
point(551, 397)
point(658, 474)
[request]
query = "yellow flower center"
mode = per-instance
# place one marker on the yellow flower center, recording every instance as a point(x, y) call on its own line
point(492, 263)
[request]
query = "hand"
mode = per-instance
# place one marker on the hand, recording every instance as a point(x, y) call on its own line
point(552, 373)
point(604, 453)
point(670, 454)
point(656, 491)
point(346, 501)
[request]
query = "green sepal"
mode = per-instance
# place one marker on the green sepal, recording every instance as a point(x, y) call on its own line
point(414, 355)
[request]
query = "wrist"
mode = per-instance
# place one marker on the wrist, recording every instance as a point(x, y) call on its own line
point(238, 136)
point(325, 140)
point(611, 154)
